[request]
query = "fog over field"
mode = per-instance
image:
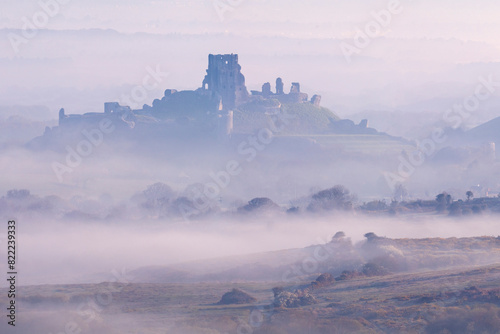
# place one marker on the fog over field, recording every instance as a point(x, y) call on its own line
point(80, 252)
point(403, 81)
point(183, 149)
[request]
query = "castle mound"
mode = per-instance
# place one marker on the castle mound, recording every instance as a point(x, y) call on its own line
point(301, 118)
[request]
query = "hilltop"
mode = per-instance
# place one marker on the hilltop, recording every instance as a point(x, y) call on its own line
point(486, 132)
point(338, 256)
point(220, 108)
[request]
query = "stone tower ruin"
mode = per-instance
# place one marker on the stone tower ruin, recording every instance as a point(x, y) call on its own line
point(224, 78)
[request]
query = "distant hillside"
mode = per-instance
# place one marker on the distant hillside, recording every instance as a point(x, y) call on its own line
point(337, 256)
point(487, 132)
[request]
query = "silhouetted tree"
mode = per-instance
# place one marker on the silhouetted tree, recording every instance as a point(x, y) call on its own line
point(443, 199)
point(375, 206)
point(339, 235)
point(370, 236)
point(158, 191)
point(476, 209)
point(337, 197)
point(18, 194)
point(469, 195)
point(456, 208)
point(157, 196)
point(259, 204)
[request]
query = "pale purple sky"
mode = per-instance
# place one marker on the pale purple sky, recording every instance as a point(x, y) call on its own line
point(429, 50)
point(461, 19)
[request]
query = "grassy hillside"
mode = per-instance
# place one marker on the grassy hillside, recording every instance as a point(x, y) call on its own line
point(302, 118)
point(487, 132)
point(371, 144)
point(426, 286)
point(465, 300)
point(395, 255)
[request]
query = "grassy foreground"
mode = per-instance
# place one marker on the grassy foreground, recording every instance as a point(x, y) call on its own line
point(460, 300)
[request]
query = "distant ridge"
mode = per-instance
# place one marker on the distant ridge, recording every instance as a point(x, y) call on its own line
point(489, 131)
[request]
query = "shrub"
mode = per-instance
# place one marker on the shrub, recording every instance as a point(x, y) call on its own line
point(334, 198)
point(259, 204)
point(236, 296)
point(373, 269)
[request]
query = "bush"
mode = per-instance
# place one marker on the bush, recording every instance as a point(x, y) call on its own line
point(259, 204)
point(291, 300)
point(18, 194)
point(375, 206)
point(236, 296)
point(323, 280)
point(334, 198)
point(372, 269)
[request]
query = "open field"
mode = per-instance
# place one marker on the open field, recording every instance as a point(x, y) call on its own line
point(404, 303)
point(435, 286)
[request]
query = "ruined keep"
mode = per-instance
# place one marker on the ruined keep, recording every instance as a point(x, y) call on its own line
point(295, 89)
point(266, 89)
point(214, 108)
point(279, 86)
point(224, 78)
point(316, 100)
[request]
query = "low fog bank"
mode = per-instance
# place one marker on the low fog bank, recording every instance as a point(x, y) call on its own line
point(77, 252)
point(286, 169)
point(110, 212)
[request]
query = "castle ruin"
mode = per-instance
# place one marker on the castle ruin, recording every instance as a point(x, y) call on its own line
point(294, 96)
point(224, 78)
point(223, 91)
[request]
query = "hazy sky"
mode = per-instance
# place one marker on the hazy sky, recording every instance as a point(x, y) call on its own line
point(103, 48)
point(461, 19)
point(428, 57)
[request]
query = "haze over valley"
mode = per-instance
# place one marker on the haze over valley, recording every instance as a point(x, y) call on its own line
point(250, 166)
